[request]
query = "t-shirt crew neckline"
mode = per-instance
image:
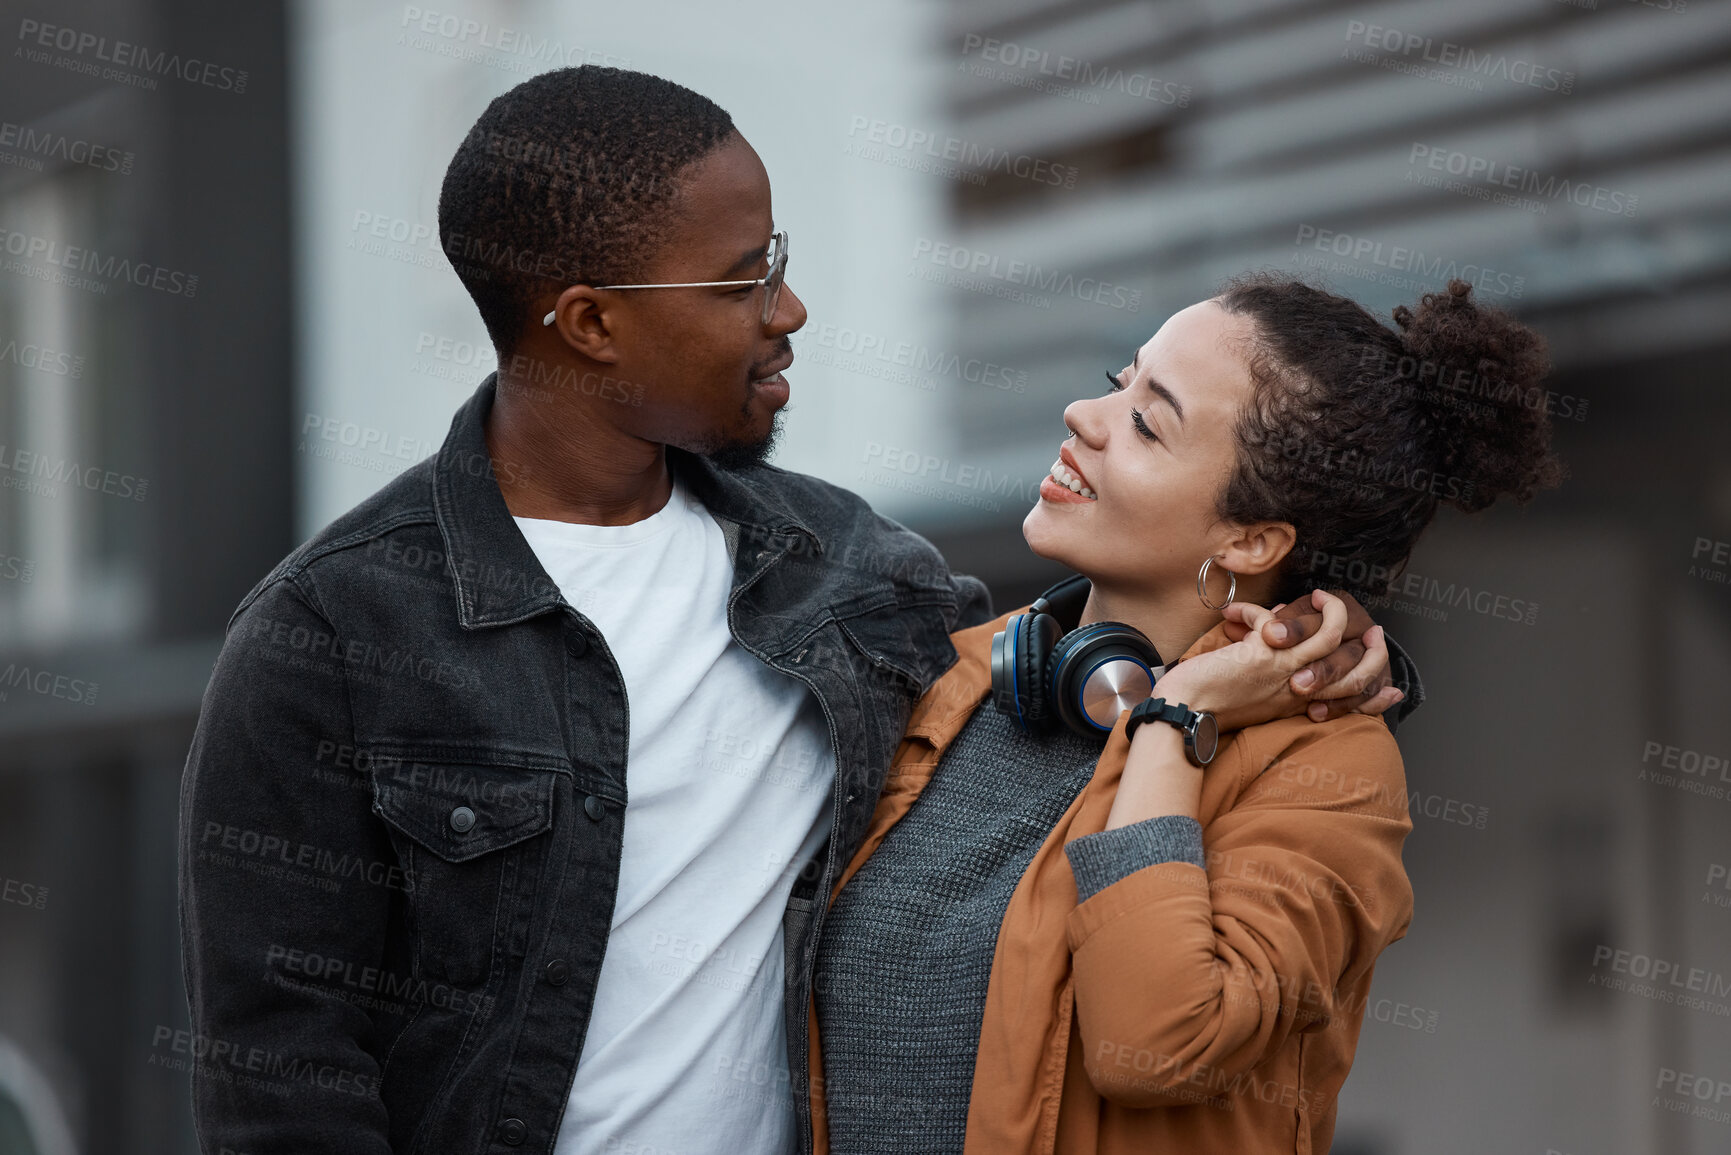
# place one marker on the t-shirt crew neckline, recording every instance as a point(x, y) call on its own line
point(611, 536)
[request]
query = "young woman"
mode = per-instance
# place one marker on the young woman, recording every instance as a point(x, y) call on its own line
point(1064, 941)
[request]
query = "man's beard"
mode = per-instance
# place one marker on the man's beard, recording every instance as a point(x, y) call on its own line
point(747, 454)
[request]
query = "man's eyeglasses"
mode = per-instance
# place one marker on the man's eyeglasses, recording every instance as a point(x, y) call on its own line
point(771, 283)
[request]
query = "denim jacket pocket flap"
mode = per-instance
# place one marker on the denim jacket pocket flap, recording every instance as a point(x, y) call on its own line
point(460, 812)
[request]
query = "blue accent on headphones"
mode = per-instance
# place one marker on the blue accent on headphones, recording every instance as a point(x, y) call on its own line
point(1041, 661)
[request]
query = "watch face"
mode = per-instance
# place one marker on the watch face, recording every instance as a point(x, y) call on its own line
point(1205, 739)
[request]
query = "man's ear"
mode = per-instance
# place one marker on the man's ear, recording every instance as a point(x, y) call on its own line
point(1256, 549)
point(586, 324)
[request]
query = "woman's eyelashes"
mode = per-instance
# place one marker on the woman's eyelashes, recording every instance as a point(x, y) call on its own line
point(1141, 425)
point(1135, 414)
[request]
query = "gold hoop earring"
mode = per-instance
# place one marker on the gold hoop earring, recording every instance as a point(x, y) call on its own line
point(1202, 586)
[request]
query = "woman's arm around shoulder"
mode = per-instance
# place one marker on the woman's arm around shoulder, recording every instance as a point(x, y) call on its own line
point(1177, 965)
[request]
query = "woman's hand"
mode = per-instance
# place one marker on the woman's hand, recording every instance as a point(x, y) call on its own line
point(1352, 679)
point(1250, 680)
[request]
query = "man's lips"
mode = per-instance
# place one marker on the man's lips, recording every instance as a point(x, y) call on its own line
point(772, 370)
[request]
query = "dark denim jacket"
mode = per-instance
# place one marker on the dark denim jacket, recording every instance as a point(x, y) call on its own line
point(402, 813)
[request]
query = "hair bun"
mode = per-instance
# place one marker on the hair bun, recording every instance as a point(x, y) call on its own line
point(1475, 373)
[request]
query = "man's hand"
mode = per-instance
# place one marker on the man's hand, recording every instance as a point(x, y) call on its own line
point(1354, 678)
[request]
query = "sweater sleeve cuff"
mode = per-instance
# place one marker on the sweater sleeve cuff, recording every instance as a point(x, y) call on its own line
point(1099, 860)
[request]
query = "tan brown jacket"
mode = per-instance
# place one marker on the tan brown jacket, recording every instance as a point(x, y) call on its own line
point(1177, 1010)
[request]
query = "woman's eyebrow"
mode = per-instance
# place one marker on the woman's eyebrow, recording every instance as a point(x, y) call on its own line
point(1158, 389)
point(1165, 395)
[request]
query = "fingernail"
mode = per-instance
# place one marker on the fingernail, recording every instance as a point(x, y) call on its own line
point(1282, 631)
point(1317, 711)
point(1303, 679)
point(1400, 695)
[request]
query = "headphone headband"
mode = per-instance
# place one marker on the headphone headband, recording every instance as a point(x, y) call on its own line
point(1064, 601)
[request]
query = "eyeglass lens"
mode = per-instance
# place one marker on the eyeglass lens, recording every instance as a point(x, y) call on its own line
point(777, 274)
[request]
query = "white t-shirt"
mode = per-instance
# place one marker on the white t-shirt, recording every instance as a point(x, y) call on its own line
point(728, 776)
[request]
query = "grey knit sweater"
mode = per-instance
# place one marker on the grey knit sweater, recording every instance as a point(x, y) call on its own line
point(907, 951)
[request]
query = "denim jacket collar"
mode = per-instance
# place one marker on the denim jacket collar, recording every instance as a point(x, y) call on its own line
point(499, 580)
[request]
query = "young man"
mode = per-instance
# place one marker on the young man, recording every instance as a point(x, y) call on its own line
point(517, 789)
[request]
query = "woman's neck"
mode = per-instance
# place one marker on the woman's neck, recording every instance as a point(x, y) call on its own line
point(1170, 618)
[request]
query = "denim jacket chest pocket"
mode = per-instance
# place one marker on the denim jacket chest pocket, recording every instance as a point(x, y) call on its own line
point(469, 837)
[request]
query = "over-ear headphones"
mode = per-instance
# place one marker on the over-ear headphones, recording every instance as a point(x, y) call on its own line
point(1044, 667)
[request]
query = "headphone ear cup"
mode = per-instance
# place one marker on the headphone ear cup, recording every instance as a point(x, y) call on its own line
point(1005, 645)
point(1040, 637)
point(1093, 648)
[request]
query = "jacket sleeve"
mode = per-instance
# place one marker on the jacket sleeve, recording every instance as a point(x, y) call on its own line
point(973, 601)
point(1404, 671)
point(269, 838)
point(1176, 966)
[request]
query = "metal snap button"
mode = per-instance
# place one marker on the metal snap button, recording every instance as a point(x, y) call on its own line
point(513, 1131)
point(462, 820)
point(594, 808)
point(557, 972)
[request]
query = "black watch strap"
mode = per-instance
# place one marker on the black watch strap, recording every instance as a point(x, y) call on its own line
point(1156, 709)
point(1199, 747)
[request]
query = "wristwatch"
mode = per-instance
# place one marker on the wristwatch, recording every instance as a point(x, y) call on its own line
point(1201, 733)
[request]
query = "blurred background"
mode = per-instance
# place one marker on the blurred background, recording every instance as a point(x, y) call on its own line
point(225, 318)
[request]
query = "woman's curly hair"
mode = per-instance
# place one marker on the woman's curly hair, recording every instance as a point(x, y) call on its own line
point(1356, 432)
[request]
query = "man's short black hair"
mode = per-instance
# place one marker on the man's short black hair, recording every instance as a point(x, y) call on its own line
point(563, 181)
